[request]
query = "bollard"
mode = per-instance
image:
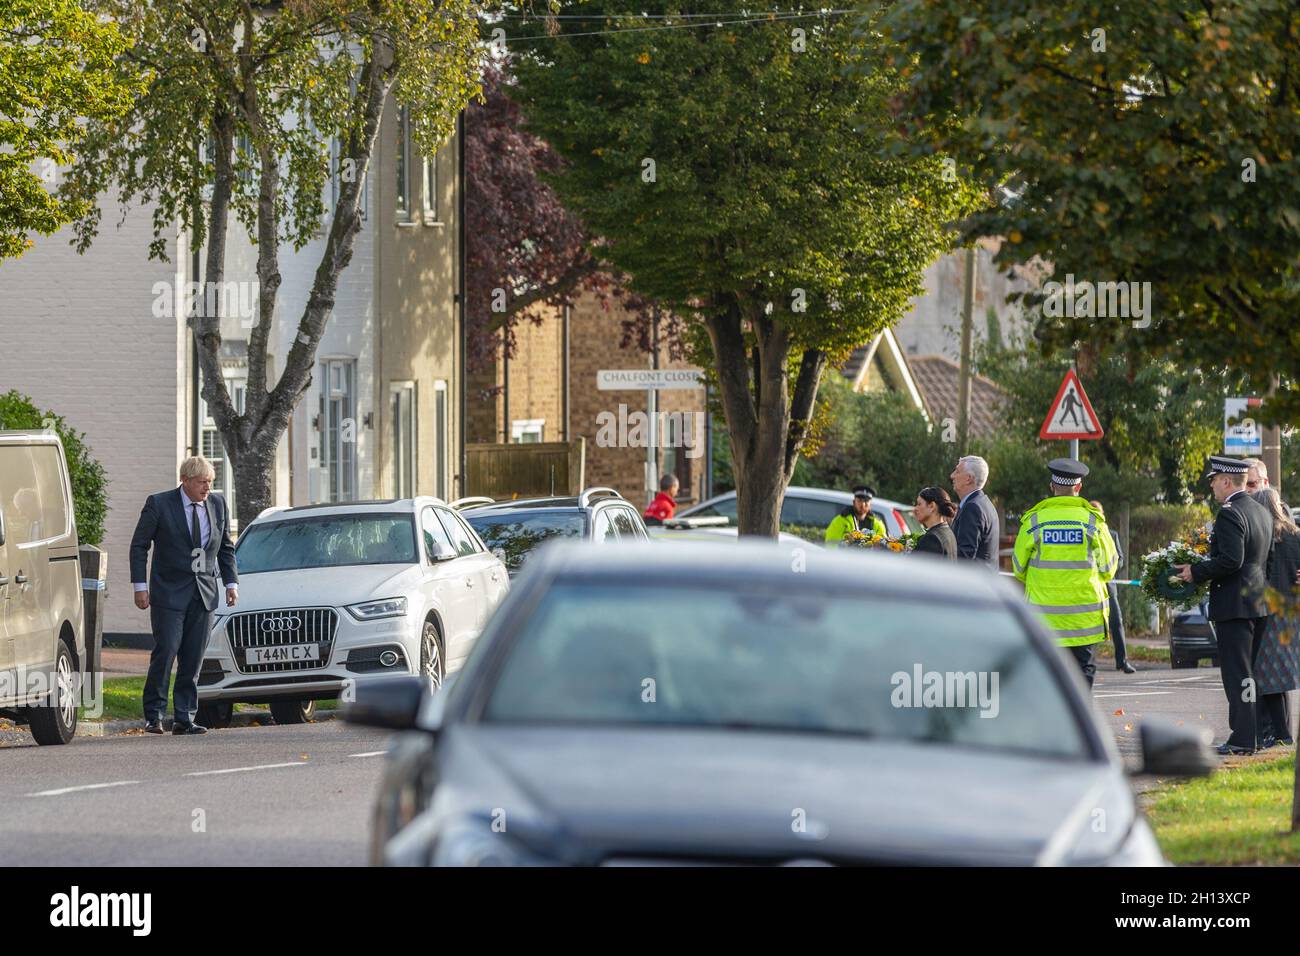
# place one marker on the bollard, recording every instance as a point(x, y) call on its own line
point(94, 585)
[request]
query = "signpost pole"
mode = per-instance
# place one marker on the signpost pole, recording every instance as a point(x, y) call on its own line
point(1074, 448)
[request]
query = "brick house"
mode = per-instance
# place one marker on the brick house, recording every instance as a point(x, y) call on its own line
point(548, 392)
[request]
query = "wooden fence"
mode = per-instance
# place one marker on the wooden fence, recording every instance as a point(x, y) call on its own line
point(524, 470)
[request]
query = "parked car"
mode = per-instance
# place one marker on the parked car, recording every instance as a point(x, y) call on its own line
point(347, 592)
point(701, 703)
point(814, 507)
point(515, 529)
point(1191, 637)
point(43, 659)
point(714, 528)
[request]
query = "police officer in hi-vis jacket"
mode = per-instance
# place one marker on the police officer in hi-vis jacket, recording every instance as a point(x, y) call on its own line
point(1065, 555)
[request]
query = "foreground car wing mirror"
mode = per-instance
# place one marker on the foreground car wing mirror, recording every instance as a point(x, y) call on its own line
point(442, 551)
point(391, 702)
point(1172, 751)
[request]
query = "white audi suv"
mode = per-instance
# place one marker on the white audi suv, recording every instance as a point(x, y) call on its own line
point(343, 593)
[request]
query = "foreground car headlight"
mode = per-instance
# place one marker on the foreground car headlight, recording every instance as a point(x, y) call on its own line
point(374, 610)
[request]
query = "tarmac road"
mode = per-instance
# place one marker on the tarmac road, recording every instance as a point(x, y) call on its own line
point(301, 795)
point(260, 796)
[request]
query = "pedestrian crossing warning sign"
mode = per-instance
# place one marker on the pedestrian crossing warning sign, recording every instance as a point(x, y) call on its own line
point(1071, 414)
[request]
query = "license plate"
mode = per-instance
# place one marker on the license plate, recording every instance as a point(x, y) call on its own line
point(282, 654)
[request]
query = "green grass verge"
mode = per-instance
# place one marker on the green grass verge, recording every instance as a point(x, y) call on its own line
point(1136, 652)
point(1238, 816)
point(124, 700)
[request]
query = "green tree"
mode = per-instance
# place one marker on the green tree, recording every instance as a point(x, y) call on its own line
point(271, 89)
point(1160, 421)
point(1155, 142)
point(89, 483)
point(744, 179)
point(57, 63)
point(880, 438)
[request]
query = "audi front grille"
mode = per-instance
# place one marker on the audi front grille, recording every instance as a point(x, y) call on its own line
point(309, 625)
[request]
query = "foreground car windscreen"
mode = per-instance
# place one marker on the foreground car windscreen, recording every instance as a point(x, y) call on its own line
point(517, 534)
point(327, 542)
point(873, 667)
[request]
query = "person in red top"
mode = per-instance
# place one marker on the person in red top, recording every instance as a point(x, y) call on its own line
point(664, 504)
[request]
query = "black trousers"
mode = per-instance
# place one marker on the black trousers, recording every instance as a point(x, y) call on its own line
point(1239, 641)
point(1116, 627)
point(180, 636)
point(1084, 654)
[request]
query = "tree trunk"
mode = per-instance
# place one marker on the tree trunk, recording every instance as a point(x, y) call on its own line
point(252, 438)
point(253, 470)
point(766, 424)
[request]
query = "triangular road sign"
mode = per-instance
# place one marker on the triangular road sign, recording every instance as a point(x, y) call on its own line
point(1071, 415)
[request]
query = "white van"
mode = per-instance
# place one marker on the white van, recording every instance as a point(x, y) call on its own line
point(42, 644)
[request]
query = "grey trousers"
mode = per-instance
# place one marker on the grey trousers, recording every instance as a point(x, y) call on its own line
point(180, 636)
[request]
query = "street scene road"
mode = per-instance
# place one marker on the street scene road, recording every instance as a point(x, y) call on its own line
point(247, 796)
point(473, 433)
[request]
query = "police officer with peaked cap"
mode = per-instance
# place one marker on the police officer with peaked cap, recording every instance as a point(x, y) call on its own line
point(856, 517)
point(1065, 555)
point(1235, 568)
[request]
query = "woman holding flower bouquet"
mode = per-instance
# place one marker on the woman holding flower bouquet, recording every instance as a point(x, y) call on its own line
point(1277, 666)
point(934, 509)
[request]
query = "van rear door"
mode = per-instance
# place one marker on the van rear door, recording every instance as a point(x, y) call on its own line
point(27, 605)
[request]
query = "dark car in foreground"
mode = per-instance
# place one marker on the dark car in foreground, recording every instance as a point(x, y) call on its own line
point(742, 703)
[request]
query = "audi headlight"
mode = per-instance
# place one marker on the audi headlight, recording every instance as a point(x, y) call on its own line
point(374, 610)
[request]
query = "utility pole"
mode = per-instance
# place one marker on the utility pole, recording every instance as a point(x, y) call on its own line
point(963, 382)
point(1271, 451)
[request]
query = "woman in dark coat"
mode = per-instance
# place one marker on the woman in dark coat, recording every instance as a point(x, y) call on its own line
point(1277, 665)
point(934, 509)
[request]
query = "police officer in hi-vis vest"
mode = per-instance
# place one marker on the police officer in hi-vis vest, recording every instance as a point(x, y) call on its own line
point(1064, 554)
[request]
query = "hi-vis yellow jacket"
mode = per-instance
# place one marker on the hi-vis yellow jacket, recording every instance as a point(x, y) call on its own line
point(1065, 556)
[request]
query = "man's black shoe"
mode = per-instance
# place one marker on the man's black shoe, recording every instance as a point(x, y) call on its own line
point(1230, 750)
point(187, 729)
point(1126, 667)
point(1286, 741)
point(153, 727)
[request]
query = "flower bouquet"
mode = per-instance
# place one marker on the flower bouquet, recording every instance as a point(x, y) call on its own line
point(1160, 579)
point(864, 539)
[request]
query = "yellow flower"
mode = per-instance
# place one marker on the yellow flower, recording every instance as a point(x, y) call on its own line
point(895, 546)
point(643, 58)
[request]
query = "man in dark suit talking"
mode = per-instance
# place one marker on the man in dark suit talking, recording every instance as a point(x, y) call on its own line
point(976, 526)
point(188, 529)
point(1243, 534)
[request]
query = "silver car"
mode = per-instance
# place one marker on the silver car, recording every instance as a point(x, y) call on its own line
point(750, 703)
point(813, 507)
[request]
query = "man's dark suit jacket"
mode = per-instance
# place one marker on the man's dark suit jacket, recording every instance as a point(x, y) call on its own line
point(978, 530)
point(1238, 561)
point(173, 578)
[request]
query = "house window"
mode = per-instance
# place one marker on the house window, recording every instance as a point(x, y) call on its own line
point(403, 432)
point(404, 162)
point(527, 431)
point(440, 440)
point(338, 423)
point(431, 187)
point(213, 448)
point(342, 167)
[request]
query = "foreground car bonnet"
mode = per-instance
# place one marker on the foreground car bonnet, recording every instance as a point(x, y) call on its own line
point(723, 795)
